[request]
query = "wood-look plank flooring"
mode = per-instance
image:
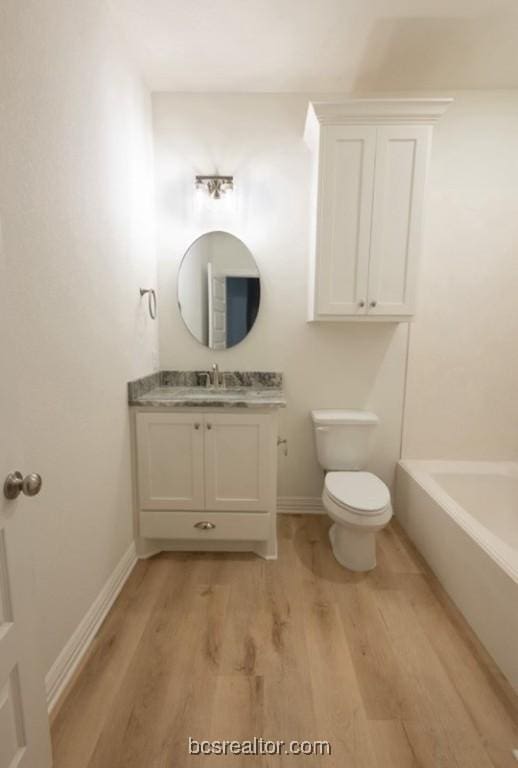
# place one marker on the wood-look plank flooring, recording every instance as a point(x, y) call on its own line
point(229, 646)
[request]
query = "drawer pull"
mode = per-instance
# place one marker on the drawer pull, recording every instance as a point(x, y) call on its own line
point(204, 525)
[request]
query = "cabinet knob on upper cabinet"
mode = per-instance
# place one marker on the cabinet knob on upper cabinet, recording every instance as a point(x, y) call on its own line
point(209, 426)
point(196, 426)
point(361, 303)
point(373, 303)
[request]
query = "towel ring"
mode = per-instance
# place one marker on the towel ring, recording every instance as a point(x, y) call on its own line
point(151, 300)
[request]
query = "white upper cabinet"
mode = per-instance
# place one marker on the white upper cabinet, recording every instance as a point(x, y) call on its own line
point(345, 208)
point(369, 169)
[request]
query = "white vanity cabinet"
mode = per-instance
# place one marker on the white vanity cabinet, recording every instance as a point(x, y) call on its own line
point(170, 460)
point(369, 168)
point(207, 475)
point(240, 455)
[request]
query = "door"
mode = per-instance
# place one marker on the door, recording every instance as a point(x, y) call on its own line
point(344, 219)
point(217, 309)
point(170, 460)
point(24, 730)
point(401, 158)
point(239, 450)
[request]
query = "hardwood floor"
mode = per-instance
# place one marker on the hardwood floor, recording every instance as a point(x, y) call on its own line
point(226, 646)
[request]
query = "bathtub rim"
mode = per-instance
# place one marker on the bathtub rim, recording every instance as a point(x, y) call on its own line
point(421, 471)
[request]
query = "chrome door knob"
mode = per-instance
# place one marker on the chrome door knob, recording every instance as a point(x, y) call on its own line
point(15, 483)
point(31, 484)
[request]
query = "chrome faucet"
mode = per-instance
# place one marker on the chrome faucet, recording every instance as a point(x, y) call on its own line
point(216, 379)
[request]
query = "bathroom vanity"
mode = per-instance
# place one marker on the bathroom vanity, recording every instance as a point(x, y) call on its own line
point(206, 460)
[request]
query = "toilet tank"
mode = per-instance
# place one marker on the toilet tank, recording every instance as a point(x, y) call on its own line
point(343, 438)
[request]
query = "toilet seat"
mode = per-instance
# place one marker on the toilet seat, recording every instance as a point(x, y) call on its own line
point(357, 493)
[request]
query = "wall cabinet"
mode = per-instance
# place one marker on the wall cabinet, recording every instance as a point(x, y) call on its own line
point(369, 168)
point(207, 476)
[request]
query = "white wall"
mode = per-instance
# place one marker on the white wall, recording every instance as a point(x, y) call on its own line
point(75, 207)
point(258, 138)
point(462, 392)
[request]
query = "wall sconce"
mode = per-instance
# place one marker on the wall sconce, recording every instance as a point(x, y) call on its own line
point(215, 186)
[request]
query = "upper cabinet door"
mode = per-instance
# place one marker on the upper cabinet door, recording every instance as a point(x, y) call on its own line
point(170, 460)
point(346, 179)
point(240, 456)
point(401, 158)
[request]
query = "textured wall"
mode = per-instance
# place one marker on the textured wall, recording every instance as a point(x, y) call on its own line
point(75, 207)
point(462, 393)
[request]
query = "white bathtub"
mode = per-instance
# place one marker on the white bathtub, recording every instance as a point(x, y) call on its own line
point(463, 518)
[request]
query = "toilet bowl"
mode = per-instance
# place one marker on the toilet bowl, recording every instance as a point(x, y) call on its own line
point(359, 505)
point(357, 501)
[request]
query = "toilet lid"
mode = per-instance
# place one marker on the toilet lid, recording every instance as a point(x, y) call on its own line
point(359, 491)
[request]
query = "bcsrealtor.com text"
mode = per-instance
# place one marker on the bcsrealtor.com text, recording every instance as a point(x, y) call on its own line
point(258, 746)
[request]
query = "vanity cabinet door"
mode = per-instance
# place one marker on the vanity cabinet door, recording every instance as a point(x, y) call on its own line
point(344, 219)
point(401, 156)
point(240, 456)
point(170, 460)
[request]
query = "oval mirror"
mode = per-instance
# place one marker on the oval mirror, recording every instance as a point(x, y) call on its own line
point(218, 290)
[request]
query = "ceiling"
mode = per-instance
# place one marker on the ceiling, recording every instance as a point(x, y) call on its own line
point(322, 45)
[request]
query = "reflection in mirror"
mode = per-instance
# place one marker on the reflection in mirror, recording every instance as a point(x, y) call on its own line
point(218, 290)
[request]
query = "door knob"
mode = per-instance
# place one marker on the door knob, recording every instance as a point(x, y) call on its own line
point(16, 483)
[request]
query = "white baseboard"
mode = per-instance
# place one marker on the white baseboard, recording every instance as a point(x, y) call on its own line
point(66, 663)
point(309, 505)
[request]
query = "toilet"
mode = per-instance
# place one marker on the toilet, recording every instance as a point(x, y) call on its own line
point(357, 501)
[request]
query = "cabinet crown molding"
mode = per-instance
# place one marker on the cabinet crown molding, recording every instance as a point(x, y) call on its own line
point(371, 111)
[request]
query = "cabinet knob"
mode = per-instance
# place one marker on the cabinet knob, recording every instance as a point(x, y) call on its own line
point(209, 426)
point(204, 525)
point(373, 303)
point(196, 426)
point(361, 303)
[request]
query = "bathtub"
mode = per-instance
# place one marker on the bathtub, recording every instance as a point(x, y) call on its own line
point(463, 518)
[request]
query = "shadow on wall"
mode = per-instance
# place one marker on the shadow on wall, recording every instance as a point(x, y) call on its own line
point(435, 53)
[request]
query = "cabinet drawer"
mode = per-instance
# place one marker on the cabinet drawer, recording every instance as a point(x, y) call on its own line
point(230, 526)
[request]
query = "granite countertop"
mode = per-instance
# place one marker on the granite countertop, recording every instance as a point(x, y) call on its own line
point(174, 389)
point(245, 397)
